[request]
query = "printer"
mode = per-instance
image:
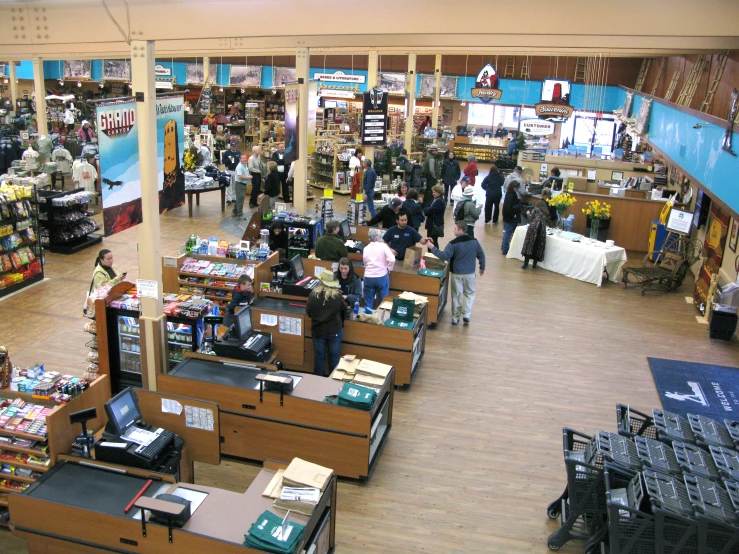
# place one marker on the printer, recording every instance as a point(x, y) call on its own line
point(128, 440)
point(242, 342)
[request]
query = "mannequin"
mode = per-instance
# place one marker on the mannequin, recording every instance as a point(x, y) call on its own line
point(45, 146)
point(30, 159)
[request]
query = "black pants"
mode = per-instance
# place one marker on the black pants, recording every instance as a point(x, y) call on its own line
point(427, 196)
point(256, 189)
point(471, 231)
point(70, 127)
point(285, 187)
point(448, 187)
point(492, 209)
point(434, 237)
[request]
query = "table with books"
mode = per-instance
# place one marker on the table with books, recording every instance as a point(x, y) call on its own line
point(312, 422)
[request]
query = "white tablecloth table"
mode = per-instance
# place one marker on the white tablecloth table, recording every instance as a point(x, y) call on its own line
point(580, 260)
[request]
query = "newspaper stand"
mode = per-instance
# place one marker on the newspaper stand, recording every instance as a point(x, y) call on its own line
point(708, 431)
point(633, 423)
point(672, 427)
point(582, 507)
point(727, 462)
point(718, 523)
point(631, 527)
point(657, 456)
point(675, 528)
point(693, 459)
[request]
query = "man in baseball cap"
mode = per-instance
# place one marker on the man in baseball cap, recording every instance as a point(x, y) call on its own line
point(388, 215)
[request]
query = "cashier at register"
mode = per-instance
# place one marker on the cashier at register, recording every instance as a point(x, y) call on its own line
point(401, 237)
point(278, 239)
point(330, 247)
point(500, 132)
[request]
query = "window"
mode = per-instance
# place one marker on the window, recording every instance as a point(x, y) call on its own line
point(508, 116)
point(479, 114)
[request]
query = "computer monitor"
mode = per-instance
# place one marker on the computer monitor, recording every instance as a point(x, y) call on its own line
point(243, 323)
point(344, 229)
point(123, 410)
point(296, 267)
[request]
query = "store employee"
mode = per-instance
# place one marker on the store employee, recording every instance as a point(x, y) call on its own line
point(401, 236)
point(231, 157)
point(500, 132)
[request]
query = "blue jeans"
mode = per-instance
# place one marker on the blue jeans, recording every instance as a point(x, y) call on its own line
point(369, 199)
point(508, 230)
point(330, 343)
point(375, 287)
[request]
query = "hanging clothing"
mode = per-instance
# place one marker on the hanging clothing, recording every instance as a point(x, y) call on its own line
point(63, 160)
point(45, 146)
point(85, 175)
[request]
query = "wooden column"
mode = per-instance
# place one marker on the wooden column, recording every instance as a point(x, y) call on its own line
point(369, 151)
point(152, 320)
point(410, 102)
point(42, 123)
point(13, 83)
point(302, 71)
point(437, 92)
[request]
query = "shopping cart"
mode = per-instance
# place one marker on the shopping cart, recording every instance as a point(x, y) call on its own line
point(693, 459)
point(708, 431)
point(657, 456)
point(718, 523)
point(633, 423)
point(727, 462)
point(672, 427)
point(733, 428)
point(581, 507)
point(675, 528)
point(631, 528)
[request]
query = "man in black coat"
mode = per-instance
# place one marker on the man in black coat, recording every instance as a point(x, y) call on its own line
point(282, 167)
point(492, 184)
point(388, 215)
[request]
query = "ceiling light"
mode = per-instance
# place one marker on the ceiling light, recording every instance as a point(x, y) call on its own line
point(79, 84)
point(61, 82)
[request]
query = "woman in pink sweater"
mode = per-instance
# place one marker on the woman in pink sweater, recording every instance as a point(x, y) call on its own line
point(378, 262)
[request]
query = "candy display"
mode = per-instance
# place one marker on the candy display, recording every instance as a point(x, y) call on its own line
point(19, 250)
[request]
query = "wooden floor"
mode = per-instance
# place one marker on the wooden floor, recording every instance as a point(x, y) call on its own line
point(475, 453)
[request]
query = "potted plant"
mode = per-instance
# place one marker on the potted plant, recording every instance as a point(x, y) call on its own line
point(599, 219)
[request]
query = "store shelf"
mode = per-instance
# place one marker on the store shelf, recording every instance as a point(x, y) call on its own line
point(185, 344)
point(18, 286)
point(203, 285)
point(217, 298)
point(200, 275)
point(22, 449)
point(19, 435)
point(131, 336)
point(18, 478)
point(75, 245)
point(40, 469)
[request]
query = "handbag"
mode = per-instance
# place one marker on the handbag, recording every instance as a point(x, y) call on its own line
point(437, 229)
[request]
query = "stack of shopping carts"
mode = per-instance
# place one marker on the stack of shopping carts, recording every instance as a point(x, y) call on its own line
point(663, 484)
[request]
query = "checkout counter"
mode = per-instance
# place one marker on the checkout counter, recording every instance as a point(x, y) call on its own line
point(80, 508)
point(285, 317)
point(402, 279)
point(269, 425)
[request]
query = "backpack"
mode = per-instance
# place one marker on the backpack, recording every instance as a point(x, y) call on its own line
point(460, 211)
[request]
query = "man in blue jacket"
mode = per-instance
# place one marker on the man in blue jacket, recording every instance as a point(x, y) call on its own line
point(461, 254)
point(368, 186)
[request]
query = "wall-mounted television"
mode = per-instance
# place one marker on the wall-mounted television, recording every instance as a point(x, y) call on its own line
point(702, 209)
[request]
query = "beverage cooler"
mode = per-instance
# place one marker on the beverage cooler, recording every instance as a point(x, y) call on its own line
point(124, 348)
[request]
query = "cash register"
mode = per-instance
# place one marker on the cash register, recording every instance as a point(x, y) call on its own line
point(297, 283)
point(352, 245)
point(242, 342)
point(129, 440)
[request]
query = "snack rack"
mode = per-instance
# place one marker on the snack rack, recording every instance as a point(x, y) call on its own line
point(67, 227)
point(21, 259)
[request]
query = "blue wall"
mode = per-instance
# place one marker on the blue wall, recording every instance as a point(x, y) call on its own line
point(671, 131)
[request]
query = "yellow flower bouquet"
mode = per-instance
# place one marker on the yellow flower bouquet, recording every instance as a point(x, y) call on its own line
point(596, 209)
point(562, 201)
point(189, 161)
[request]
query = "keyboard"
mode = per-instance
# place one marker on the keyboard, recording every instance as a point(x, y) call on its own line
point(155, 448)
point(257, 344)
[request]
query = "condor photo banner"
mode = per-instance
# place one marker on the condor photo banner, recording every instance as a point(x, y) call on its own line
point(170, 140)
point(120, 179)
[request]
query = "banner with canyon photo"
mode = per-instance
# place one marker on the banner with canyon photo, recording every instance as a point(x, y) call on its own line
point(119, 161)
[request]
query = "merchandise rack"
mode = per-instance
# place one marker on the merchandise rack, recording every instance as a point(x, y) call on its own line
point(35, 246)
point(52, 223)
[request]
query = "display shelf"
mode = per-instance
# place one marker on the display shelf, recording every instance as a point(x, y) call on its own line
point(202, 285)
point(40, 469)
point(18, 478)
point(73, 244)
point(129, 335)
point(23, 450)
point(217, 298)
point(21, 435)
point(202, 276)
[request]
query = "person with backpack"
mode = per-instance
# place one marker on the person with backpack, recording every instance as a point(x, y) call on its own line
point(450, 173)
point(461, 254)
point(466, 210)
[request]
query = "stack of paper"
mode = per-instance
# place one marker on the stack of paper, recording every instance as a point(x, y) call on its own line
point(346, 369)
point(305, 474)
point(371, 374)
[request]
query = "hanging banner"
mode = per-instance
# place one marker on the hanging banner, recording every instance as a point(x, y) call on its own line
point(555, 100)
point(170, 139)
point(292, 93)
point(118, 140)
point(486, 85)
point(374, 118)
point(119, 161)
point(340, 77)
point(312, 106)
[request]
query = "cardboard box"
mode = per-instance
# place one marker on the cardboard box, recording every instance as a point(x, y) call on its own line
point(579, 183)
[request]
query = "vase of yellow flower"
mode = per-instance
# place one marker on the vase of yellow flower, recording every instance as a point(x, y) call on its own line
point(561, 203)
point(599, 219)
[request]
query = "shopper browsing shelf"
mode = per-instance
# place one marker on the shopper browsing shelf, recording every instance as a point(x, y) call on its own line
point(104, 273)
point(243, 295)
point(462, 253)
point(85, 133)
point(330, 247)
point(241, 179)
point(272, 184)
point(379, 260)
point(349, 282)
point(326, 308)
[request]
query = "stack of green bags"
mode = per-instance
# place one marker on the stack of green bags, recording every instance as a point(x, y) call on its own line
point(266, 534)
point(357, 396)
